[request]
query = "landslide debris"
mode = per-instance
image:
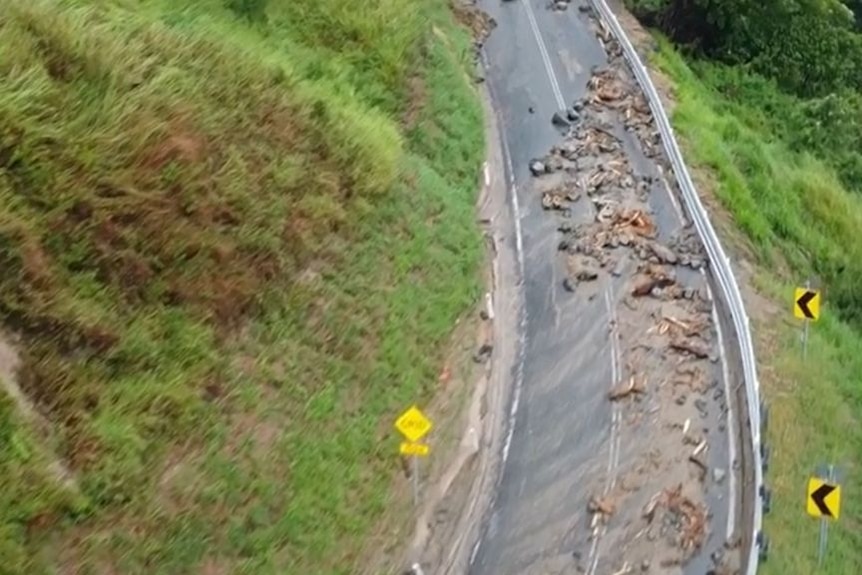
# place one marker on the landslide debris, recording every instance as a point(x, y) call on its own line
point(668, 394)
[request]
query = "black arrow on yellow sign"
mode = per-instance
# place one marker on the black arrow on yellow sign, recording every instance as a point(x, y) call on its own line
point(802, 302)
point(819, 498)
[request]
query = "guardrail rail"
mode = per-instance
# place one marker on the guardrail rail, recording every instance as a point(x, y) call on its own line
point(721, 270)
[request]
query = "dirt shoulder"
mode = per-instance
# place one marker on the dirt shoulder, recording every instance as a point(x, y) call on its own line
point(459, 485)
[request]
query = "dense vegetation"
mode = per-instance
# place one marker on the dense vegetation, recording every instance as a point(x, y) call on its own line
point(796, 67)
point(769, 106)
point(233, 237)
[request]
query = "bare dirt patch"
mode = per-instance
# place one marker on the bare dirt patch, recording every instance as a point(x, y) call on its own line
point(474, 19)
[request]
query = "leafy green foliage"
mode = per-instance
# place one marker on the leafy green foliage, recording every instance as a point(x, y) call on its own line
point(808, 46)
point(251, 10)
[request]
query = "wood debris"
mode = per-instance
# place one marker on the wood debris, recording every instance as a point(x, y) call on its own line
point(601, 505)
point(688, 517)
point(553, 200)
point(628, 388)
point(704, 469)
point(625, 569)
point(698, 350)
point(645, 286)
point(650, 507)
point(635, 220)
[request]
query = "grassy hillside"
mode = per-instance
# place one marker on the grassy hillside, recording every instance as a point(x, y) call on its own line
point(233, 239)
point(800, 221)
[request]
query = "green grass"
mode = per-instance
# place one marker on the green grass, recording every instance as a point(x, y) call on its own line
point(793, 210)
point(233, 251)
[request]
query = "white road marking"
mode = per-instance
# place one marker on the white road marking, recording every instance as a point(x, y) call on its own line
point(731, 419)
point(522, 329)
point(487, 175)
point(676, 207)
point(555, 85)
point(615, 438)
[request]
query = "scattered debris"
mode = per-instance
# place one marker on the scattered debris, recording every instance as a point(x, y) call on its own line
point(537, 168)
point(647, 286)
point(664, 255)
point(601, 506)
point(633, 386)
point(703, 467)
point(559, 119)
point(616, 232)
point(686, 517)
point(698, 350)
point(478, 21)
point(483, 353)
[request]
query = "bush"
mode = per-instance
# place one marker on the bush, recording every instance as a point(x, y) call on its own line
point(251, 10)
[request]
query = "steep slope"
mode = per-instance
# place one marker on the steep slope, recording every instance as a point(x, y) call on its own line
point(233, 239)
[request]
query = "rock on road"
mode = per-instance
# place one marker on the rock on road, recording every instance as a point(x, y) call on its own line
point(622, 456)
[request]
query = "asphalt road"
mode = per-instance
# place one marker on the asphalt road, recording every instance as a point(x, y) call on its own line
point(563, 441)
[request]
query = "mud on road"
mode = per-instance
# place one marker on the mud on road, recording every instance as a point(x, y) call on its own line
point(662, 495)
point(662, 506)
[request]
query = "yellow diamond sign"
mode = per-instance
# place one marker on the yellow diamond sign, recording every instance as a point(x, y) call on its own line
point(413, 424)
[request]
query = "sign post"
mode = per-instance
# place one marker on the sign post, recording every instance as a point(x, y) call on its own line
point(824, 502)
point(413, 425)
point(806, 306)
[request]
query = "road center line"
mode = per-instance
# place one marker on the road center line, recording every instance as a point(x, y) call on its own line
point(555, 85)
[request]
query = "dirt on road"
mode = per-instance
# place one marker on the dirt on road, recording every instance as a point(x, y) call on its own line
point(667, 501)
point(654, 512)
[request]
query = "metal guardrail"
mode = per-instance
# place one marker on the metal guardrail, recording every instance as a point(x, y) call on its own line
point(721, 270)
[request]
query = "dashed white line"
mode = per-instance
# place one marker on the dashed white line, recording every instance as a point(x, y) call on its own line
point(555, 85)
